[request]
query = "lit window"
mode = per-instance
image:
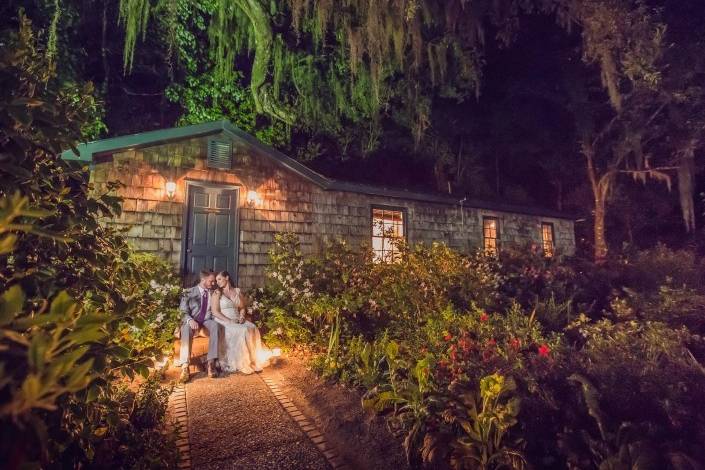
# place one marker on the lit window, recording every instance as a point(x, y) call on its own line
point(490, 235)
point(547, 239)
point(387, 230)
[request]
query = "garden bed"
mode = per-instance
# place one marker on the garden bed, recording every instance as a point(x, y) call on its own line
point(360, 437)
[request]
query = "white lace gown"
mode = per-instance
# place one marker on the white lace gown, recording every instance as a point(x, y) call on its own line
point(241, 349)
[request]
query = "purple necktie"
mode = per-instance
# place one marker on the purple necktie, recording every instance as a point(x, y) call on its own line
point(204, 306)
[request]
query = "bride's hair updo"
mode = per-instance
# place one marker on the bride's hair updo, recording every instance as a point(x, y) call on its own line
point(227, 274)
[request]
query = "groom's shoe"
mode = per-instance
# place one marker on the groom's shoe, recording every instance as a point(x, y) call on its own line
point(185, 375)
point(212, 372)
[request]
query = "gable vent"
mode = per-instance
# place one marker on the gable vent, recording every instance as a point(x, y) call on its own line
point(220, 154)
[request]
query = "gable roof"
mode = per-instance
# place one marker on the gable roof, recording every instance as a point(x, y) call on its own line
point(88, 151)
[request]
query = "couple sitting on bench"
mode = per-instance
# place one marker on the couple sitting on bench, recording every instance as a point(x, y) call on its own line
point(216, 308)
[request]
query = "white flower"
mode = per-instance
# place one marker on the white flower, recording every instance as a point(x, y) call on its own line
point(153, 284)
point(280, 293)
point(159, 317)
point(278, 331)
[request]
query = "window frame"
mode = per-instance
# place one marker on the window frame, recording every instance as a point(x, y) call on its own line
point(553, 239)
point(498, 238)
point(405, 223)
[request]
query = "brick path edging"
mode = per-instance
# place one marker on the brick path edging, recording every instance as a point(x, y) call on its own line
point(309, 428)
point(179, 411)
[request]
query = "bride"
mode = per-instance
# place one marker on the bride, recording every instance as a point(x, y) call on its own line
point(242, 348)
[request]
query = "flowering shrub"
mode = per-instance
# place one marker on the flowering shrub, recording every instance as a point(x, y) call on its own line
point(477, 344)
point(577, 345)
point(154, 296)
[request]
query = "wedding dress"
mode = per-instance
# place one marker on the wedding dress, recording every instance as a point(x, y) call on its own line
point(241, 349)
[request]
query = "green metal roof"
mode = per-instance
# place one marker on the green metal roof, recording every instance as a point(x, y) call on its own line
point(88, 151)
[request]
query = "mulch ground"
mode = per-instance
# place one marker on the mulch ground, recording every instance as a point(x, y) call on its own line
point(360, 437)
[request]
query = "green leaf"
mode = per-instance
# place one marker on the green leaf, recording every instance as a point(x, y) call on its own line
point(11, 303)
point(86, 335)
point(143, 370)
point(31, 388)
point(62, 364)
point(93, 393)
point(392, 350)
point(79, 378)
point(37, 351)
point(7, 243)
point(63, 305)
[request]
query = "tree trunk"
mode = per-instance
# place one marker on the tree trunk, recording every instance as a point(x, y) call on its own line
point(600, 186)
point(600, 250)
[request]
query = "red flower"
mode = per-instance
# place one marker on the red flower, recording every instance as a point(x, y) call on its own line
point(491, 342)
point(484, 317)
point(448, 337)
point(544, 350)
point(515, 343)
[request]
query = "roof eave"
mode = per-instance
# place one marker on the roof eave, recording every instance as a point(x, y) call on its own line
point(443, 199)
point(144, 139)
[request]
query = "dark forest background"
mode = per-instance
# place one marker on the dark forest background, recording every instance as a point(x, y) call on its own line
point(514, 138)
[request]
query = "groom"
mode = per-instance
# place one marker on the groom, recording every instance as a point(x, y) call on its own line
point(196, 314)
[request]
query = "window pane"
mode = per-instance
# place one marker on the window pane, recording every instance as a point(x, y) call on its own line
point(547, 238)
point(490, 234)
point(387, 225)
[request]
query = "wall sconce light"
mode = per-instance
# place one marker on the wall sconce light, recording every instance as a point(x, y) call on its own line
point(253, 199)
point(170, 189)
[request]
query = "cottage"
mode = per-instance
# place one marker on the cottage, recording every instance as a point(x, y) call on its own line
point(211, 196)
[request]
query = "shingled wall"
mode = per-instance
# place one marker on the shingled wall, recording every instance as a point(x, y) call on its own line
point(153, 223)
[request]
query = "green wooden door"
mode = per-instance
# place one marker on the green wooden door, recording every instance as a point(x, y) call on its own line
point(211, 238)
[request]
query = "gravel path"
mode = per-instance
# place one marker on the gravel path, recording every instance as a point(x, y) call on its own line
point(236, 423)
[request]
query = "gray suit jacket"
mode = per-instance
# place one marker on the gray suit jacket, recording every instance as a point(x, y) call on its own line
point(190, 305)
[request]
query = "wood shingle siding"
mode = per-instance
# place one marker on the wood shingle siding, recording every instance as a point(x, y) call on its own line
point(292, 200)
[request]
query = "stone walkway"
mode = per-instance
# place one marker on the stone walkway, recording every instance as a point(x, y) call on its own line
point(237, 422)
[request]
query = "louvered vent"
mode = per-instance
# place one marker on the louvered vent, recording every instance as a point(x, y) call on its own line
point(220, 154)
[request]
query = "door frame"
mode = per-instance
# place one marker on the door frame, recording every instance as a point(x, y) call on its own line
point(189, 184)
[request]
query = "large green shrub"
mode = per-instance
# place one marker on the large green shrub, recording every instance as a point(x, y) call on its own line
point(68, 288)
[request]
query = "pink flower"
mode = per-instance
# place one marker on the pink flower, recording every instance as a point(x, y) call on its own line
point(484, 317)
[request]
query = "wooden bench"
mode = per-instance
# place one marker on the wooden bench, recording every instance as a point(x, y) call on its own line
point(199, 350)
